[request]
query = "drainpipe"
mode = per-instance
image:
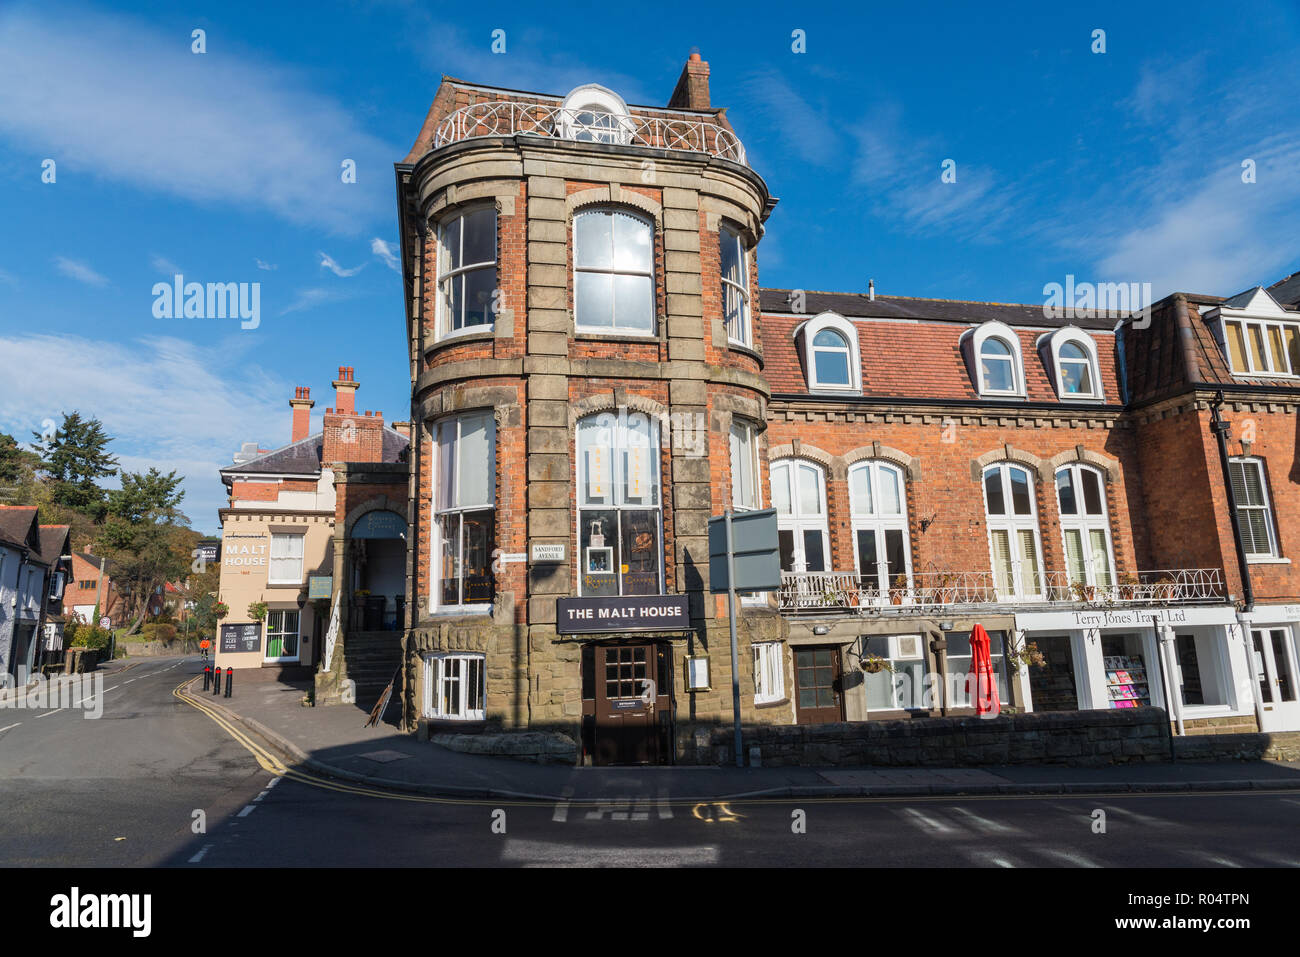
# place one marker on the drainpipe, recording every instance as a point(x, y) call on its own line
point(1221, 430)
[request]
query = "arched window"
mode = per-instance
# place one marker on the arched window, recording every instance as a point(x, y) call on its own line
point(799, 496)
point(878, 510)
point(829, 345)
point(1073, 356)
point(1012, 519)
point(613, 272)
point(620, 526)
point(594, 114)
point(995, 360)
point(1081, 498)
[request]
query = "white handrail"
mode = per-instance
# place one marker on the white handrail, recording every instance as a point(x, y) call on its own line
point(331, 635)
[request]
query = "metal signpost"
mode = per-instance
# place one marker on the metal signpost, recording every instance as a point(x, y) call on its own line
point(744, 555)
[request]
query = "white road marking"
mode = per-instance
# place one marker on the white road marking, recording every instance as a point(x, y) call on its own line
point(1212, 858)
point(545, 854)
point(561, 813)
point(7, 727)
point(1145, 820)
point(922, 821)
point(260, 796)
point(248, 809)
point(984, 824)
point(48, 713)
point(1070, 857)
point(199, 856)
point(273, 782)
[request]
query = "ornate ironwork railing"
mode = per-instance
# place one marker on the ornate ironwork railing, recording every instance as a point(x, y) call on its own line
point(847, 591)
point(331, 635)
point(507, 118)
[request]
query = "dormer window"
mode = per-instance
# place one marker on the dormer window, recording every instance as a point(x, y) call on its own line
point(1260, 337)
point(1072, 357)
point(994, 355)
point(593, 114)
point(829, 344)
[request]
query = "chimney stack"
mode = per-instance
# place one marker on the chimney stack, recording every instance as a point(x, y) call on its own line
point(301, 403)
point(692, 90)
point(345, 390)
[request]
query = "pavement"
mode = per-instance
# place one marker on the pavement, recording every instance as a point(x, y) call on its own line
point(334, 741)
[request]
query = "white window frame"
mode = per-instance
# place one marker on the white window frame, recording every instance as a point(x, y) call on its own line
point(1266, 507)
point(1085, 524)
point(848, 331)
point(1013, 524)
point(445, 275)
point(296, 632)
point(618, 428)
point(769, 671)
point(456, 507)
point(436, 676)
point(895, 658)
point(614, 329)
point(977, 338)
point(731, 235)
point(797, 522)
point(744, 451)
point(1266, 326)
point(878, 522)
point(1076, 336)
point(271, 578)
point(616, 127)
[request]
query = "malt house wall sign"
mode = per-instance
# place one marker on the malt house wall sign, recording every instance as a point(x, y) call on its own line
point(622, 614)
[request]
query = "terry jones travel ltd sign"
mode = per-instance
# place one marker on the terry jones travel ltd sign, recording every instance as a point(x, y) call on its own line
point(640, 613)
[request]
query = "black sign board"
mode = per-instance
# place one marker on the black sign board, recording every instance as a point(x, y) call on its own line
point(241, 638)
point(209, 550)
point(630, 613)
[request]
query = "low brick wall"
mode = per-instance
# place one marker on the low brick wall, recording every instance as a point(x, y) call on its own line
point(1279, 746)
point(1080, 738)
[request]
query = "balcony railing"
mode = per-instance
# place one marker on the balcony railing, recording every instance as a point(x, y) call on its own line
point(847, 591)
point(506, 118)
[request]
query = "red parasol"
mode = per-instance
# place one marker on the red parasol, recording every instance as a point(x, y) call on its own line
point(986, 684)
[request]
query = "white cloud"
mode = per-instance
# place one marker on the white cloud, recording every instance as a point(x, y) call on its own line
point(387, 252)
point(310, 298)
point(167, 402)
point(268, 267)
point(164, 265)
point(78, 270)
point(114, 97)
point(327, 262)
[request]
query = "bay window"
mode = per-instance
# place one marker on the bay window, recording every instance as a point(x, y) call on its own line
point(1013, 531)
point(464, 510)
point(613, 275)
point(735, 285)
point(799, 496)
point(1081, 498)
point(467, 270)
point(620, 525)
point(878, 510)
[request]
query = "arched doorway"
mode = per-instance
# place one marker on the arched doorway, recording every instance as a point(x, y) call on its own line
point(377, 571)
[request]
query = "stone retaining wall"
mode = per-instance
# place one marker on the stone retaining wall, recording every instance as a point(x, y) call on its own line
point(1279, 746)
point(1080, 738)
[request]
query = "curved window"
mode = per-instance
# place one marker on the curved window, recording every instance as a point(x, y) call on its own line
point(1013, 531)
point(613, 272)
point(1081, 499)
point(878, 510)
point(1074, 361)
point(464, 501)
point(467, 270)
point(619, 520)
point(997, 366)
point(593, 114)
point(735, 285)
point(830, 359)
point(828, 345)
point(799, 497)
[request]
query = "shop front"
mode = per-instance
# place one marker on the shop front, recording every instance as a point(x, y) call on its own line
point(1129, 657)
point(1274, 649)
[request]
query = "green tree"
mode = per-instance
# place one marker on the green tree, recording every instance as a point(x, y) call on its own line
point(146, 537)
point(74, 459)
point(18, 467)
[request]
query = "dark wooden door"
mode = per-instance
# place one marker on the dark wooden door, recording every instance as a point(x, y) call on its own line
point(819, 685)
point(631, 705)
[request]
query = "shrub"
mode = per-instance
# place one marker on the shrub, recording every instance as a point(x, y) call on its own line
point(92, 636)
point(158, 631)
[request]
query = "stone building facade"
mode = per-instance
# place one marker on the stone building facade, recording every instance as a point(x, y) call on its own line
point(595, 371)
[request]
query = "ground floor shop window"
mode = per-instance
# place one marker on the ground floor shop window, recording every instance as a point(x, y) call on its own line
point(1202, 667)
point(281, 635)
point(1128, 684)
point(902, 688)
point(454, 687)
point(769, 672)
point(1053, 686)
point(960, 664)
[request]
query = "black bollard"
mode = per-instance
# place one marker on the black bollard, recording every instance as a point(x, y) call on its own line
point(230, 680)
point(216, 681)
point(207, 677)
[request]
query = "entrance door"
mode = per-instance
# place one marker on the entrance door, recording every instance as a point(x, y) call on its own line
point(1275, 670)
point(633, 704)
point(819, 685)
point(1052, 686)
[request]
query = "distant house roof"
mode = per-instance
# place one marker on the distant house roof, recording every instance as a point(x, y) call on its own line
point(304, 456)
point(55, 540)
point(861, 306)
point(18, 526)
point(1287, 291)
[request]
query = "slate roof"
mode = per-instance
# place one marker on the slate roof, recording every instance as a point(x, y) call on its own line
point(54, 540)
point(16, 526)
point(304, 456)
point(1287, 291)
point(860, 305)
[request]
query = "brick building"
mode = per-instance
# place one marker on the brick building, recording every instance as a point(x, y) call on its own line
point(595, 371)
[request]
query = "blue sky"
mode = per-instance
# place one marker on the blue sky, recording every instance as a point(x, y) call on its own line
point(1115, 166)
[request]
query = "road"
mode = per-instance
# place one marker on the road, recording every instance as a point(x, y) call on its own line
point(125, 789)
